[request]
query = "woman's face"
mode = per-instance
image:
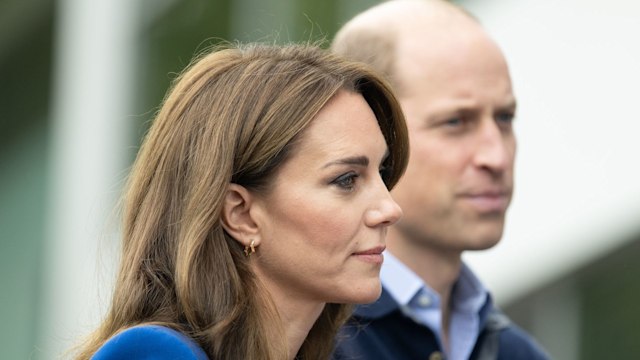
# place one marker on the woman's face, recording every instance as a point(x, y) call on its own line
point(323, 222)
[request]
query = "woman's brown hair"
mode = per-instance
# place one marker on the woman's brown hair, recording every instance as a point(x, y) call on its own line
point(232, 117)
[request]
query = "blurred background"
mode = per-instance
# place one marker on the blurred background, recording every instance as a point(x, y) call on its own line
point(81, 80)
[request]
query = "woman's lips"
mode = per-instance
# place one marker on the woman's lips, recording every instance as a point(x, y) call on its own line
point(373, 255)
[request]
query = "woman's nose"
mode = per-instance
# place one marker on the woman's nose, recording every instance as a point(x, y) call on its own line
point(385, 212)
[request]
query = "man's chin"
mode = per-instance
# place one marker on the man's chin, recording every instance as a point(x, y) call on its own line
point(483, 237)
point(482, 245)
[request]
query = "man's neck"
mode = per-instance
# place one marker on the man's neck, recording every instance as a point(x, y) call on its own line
point(438, 269)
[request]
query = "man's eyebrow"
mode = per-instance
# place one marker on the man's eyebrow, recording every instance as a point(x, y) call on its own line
point(511, 104)
point(353, 160)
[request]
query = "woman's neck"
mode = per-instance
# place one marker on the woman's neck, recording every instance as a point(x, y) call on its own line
point(298, 314)
point(297, 321)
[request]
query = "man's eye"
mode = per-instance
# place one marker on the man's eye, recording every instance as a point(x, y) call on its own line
point(506, 117)
point(346, 181)
point(453, 122)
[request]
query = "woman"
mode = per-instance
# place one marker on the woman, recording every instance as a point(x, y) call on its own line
point(257, 208)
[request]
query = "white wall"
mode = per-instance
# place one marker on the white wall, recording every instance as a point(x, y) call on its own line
point(576, 70)
point(94, 56)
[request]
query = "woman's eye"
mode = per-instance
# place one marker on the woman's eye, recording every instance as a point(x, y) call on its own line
point(346, 181)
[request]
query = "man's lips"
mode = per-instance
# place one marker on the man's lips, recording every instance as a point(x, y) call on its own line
point(372, 255)
point(488, 201)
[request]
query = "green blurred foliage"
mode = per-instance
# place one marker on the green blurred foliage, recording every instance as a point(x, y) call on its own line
point(25, 87)
point(609, 303)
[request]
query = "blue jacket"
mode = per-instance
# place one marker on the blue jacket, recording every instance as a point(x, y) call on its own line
point(150, 342)
point(382, 331)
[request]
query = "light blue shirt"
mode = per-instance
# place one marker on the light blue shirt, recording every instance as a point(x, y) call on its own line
point(421, 303)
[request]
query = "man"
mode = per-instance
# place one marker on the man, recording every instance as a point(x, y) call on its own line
point(454, 86)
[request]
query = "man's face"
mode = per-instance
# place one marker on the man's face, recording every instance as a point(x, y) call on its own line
point(459, 105)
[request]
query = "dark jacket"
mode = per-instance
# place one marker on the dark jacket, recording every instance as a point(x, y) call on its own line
point(382, 331)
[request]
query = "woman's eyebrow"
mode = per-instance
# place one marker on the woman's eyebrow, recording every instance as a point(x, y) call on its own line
point(353, 160)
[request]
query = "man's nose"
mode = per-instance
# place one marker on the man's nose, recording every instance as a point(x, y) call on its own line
point(495, 148)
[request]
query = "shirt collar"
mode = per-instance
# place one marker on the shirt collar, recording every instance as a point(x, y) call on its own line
point(401, 283)
point(469, 295)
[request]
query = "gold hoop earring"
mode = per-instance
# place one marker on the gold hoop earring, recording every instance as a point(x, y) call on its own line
point(251, 246)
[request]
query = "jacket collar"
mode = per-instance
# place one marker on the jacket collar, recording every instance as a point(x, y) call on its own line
point(491, 317)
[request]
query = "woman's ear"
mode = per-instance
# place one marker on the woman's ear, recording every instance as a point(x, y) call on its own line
point(236, 215)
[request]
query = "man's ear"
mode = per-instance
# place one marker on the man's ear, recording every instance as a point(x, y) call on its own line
point(236, 215)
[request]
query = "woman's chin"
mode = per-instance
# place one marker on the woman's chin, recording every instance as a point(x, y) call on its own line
point(367, 295)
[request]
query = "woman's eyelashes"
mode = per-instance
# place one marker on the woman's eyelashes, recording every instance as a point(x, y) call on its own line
point(349, 180)
point(346, 181)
